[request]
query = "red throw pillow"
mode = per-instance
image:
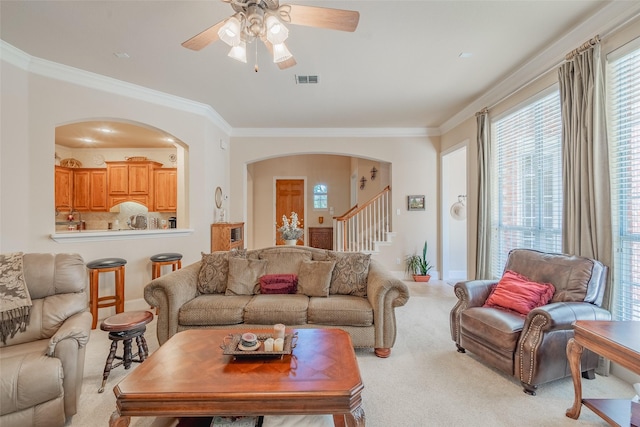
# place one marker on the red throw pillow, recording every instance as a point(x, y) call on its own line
point(279, 284)
point(517, 293)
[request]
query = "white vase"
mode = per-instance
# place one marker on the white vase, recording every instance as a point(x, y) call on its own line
point(291, 242)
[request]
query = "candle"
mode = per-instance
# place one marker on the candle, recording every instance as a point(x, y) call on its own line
point(268, 344)
point(278, 344)
point(278, 330)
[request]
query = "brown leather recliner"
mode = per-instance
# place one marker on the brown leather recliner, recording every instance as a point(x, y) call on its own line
point(41, 369)
point(532, 348)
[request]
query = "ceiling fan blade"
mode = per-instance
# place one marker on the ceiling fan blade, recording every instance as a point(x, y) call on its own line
point(283, 65)
point(322, 17)
point(205, 38)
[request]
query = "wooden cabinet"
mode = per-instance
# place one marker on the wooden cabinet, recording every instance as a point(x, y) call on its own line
point(165, 183)
point(90, 190)
point(131, 181)
point(227, 235)
point(63, 188)
point(321, 237)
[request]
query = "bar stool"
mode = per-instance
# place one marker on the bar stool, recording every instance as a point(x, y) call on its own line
point(105, 265)
point(125, 327)
point(157, 261)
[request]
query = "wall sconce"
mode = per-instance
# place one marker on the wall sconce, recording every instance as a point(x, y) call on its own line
point(363, 181)
point(374, 171)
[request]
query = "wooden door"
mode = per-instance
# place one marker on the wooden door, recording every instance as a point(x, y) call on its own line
point(98, 190)
point(165, 183)
point(81, 190)
point(139, 179)
point(118, 179)
point(63, 188)
point(289, 198)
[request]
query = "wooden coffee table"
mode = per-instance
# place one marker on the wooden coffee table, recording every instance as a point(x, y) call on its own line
point(189, 376)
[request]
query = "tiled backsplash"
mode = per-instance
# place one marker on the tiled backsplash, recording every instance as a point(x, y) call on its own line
point(99, 221)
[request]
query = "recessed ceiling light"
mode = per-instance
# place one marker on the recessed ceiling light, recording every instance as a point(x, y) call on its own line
point(121, 55)
point(465, 55)
point(169, 139)
point(106, 130)
point(87, 140)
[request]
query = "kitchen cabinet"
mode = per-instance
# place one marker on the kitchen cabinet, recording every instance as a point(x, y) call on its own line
point(165, 188)
point(321, 237)
point(131, 181)
point(90, 190)
point(226, 236)
point(63, 188)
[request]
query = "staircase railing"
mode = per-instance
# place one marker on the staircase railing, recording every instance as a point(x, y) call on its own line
point(360, 228)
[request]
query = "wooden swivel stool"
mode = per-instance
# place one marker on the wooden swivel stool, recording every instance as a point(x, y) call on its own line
point(105, 265)
point(125, 327)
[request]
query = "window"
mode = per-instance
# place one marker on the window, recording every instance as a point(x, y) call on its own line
point(623, 90)
point(527, 185)
point(320, 196)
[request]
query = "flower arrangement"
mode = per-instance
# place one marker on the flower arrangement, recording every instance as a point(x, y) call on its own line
point(289, 229)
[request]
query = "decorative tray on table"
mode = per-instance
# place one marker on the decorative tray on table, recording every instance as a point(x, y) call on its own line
point(231, 346)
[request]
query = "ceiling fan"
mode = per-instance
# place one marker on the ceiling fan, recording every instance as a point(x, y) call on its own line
point(264, 20)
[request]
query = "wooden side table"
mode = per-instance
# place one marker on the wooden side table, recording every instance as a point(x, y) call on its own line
point(617, 341)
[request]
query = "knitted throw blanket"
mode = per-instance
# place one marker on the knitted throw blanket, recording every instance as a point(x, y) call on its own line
point(15, 302)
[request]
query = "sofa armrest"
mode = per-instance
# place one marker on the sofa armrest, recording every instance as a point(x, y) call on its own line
point(472, 293)
point(385, 293)
point(170, 292)
point(76, 327)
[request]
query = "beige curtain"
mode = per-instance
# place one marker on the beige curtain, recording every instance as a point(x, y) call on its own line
point(586, 218)
point(483, 249)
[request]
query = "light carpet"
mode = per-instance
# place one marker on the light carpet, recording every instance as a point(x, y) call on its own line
point(425, 381)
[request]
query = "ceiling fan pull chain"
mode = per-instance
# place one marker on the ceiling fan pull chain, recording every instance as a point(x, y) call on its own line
point(255, 67)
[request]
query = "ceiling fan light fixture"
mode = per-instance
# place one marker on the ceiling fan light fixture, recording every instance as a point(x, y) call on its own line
point(230, 31)
point(239, 52)
point(281, 53)
point(276, 32)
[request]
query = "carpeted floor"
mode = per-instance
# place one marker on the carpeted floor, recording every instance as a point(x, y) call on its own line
point(424, 382)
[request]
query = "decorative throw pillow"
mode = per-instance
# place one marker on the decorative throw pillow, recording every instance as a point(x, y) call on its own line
point(279, 284)
point(350, 273)
point(517, 293)
point(214, 269)
point(314, 279)
point(284, 261)
point(244, 276)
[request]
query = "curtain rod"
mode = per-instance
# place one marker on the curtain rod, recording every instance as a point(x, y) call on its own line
point(584, 46)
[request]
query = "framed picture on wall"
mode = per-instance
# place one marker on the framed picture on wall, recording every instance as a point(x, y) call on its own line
point(415, 203)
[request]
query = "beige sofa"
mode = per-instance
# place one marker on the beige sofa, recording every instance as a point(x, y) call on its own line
point(344, 290)
point(41, 368)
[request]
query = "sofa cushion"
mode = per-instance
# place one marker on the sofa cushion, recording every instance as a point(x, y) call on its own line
point(244, 276)
point(350, 273)
point(499, 328)
point(279, 284)
point(213, 274)
point(214, 309)
point(516, 292)
point(340, 310)
point(314, 279)
point(28, 380)
point(284, 260)
point(272, 309)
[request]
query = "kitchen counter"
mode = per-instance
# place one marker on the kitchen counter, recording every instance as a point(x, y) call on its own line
point(122, 234)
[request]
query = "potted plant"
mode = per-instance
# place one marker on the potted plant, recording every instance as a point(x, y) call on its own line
point(289, 231)
point(418, 266)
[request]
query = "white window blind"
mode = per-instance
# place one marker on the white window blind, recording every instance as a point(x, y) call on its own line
point(623, 94)
point(527, 181)
point(320, 197)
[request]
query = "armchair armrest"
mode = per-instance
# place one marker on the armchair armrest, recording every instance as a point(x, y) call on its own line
point(547, 330)
point(170, 292)
point(385, 293)
point(76, 327)
point(472, 293)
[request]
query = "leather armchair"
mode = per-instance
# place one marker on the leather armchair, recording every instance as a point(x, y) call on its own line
point(41, 369)
point(532, 348)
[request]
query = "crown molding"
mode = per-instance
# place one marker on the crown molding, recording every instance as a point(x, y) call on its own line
point(68, 74)
point(334, 132)
point(608, 19)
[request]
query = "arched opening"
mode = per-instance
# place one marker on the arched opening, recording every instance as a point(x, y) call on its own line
point(113, 174)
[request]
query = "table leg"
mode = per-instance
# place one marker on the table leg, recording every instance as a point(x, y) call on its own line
point(117, 420)
point(574, 353)
point(355, 418)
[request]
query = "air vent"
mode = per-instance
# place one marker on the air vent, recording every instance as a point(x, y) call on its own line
point(306, 80)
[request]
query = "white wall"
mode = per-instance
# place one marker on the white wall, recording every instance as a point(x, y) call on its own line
point(413, 168)
point(33, 105)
